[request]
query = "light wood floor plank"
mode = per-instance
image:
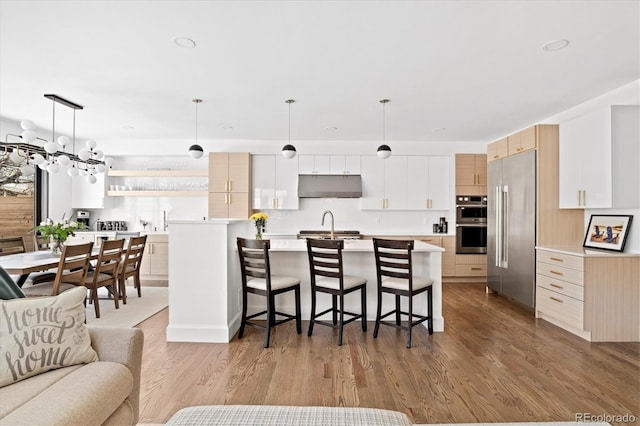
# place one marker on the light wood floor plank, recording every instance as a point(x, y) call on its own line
point(494, 363)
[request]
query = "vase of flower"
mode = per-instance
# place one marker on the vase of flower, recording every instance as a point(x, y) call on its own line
point(58, 232)
point(260, 220)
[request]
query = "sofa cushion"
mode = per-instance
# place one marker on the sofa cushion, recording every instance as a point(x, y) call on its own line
point(286, 415)
point(78, 395)
point(41, 334)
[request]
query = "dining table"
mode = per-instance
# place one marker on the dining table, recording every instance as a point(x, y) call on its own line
point(23, 264)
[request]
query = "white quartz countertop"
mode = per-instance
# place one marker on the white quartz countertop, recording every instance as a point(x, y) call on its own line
point(349, 246)
point(585, 252)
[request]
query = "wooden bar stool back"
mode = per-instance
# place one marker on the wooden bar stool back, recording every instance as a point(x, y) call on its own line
point(327, 276)
point(257, 279)
point(395, 276)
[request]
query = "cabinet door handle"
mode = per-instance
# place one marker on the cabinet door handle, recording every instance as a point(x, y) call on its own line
point(226, 198)
point(150, 248)
point(579, 198)
point(555, 299)
point(557, 259)
point(229, 198)
point(496, 156)
point(226, 186)
point(556, 272)
point(556, 286)
point(584, 197)
point(476, 269)
point(230, 190)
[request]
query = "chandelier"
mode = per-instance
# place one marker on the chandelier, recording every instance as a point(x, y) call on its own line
point(52, 156)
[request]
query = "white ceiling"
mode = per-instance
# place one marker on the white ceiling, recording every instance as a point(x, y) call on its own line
point(474, 68)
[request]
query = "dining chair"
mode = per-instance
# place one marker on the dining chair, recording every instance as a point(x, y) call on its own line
point(72, 270)
point(12, 245)
point(257, 279)
point(327, 276)
point(41, 243)
point(105, 273)
point(130, 266)
point(395, 276)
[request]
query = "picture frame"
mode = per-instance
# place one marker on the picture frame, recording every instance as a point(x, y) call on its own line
point(607, 231)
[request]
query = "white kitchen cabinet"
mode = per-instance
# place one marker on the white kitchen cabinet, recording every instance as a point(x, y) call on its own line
point(275, 182)
point(599, 151)
point(344, 164)
point(428, 182)
point(85, 195)
point(314, 164)
point(384, 183)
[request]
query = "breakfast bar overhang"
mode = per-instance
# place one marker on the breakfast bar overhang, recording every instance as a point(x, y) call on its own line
point(205, 285)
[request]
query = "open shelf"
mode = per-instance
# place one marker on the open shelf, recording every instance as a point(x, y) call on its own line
point(160, 173)
point(166, 193)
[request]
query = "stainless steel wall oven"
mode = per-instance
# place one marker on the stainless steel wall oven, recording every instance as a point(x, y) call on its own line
point(471, 224)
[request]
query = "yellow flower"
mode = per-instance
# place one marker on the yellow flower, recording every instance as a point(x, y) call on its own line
point(259, 216)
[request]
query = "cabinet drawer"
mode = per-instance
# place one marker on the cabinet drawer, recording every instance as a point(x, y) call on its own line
point(471, 270)
point(436, 241)
point(561, 287)
point(560, 259)
point(558, 272)
point(157, 238)
point(564, 308)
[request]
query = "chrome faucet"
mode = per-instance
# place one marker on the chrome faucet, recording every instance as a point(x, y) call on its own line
point(333, 236)
point(164, 220)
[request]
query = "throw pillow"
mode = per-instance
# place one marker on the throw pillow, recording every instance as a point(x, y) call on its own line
point(43, 333)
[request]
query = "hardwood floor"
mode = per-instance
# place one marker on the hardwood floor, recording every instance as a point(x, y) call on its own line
point(493, 363)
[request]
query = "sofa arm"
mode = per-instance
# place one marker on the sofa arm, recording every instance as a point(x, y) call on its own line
point(124, 346)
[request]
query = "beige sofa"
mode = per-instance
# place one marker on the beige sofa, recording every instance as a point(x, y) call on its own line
point(102, 392)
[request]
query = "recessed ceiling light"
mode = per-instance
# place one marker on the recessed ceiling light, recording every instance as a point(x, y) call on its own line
point(226, 127)
point(185, 42)
point(331, 128)
point(440, 129)
point(127, 127)
point(554, 45)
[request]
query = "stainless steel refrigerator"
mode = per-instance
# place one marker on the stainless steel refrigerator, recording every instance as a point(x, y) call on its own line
point(511, 227)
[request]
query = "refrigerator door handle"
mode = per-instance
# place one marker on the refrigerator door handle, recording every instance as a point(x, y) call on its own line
point(505, 226)
point(498, 208)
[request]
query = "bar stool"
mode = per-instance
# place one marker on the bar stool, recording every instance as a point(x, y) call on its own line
point(327, 276)
point(395, 276)
point(257, 279)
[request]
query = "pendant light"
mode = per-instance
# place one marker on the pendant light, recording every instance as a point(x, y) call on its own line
point(384, 151)
point(289, 151)
point(195, 150)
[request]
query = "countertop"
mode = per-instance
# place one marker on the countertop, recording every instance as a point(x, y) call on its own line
point(349, 246)
point(585, 252)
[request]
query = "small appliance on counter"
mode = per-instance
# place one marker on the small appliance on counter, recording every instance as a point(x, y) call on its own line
point(83, 217)
point(442, 227)
point(111, 225)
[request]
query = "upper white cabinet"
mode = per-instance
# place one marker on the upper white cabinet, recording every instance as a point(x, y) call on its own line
point(428, 182)
point(275, 182)
point(85, 195)
point(599, 152)
point(405, 183)
point(344, 164)
point(314, 164)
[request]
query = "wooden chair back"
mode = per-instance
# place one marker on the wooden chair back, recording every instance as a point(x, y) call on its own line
point(41, 243)
point(133, 256)
point(12, 245)
point(109, 258)
point(254, 260)
point(73, 266)
point(393, 258)
point(325, 259)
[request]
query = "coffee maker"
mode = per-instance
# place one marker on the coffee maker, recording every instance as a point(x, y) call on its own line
point(83, 217)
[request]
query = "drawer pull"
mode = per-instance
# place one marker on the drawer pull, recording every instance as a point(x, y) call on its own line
point(556, 272)
point(476, 269)
point(556, 300)
point(557, 259)
point(556, 285)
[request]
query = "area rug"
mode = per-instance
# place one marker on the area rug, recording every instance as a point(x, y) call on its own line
point(137, 309)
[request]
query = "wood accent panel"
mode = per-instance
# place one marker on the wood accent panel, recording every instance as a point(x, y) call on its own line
point(555, 226)
point(493, 363)
point(17, 218)
point(612, 298)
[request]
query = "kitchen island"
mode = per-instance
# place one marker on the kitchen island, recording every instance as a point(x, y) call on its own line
point(205, 284)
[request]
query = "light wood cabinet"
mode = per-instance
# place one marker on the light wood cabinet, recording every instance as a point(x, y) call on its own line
point(497, 150)
point(275, 182)
point(594, 296)
point(229, 185)
point(471, 174)
point(449, 256)
point(521, 141)
point(471, 265)
point(155, 260)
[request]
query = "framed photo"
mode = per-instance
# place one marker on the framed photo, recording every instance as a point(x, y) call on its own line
point(607, 232)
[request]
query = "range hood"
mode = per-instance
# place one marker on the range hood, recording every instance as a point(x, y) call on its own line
point(329, 186)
